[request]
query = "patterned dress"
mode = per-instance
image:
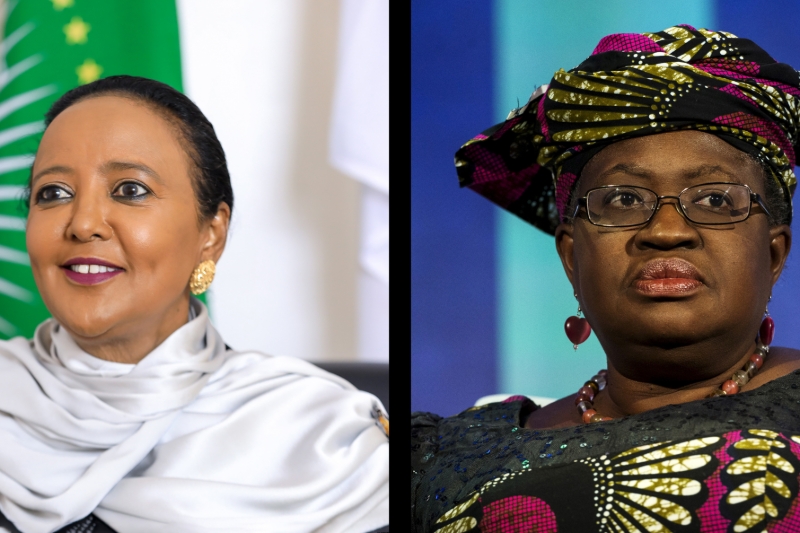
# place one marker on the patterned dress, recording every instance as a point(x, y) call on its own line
point(728, 464)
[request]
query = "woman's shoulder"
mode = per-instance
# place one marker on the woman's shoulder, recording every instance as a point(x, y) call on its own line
point(512, 410)
point(432, 433)
point(254, 364)
point(15, 344)
point(297, 385)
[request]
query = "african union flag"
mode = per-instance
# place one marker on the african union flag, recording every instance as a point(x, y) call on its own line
point(47, 48)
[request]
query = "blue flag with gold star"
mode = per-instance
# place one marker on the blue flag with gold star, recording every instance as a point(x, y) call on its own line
point(49, 47)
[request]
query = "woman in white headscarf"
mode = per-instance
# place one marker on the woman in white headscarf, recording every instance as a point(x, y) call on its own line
point(126, 411)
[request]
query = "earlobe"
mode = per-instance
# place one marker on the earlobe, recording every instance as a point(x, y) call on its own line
point(565, 247)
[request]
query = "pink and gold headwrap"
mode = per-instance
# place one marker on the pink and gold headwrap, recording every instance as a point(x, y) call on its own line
point(633, 85)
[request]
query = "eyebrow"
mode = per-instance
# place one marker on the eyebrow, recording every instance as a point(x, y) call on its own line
point(111, 166)
point(642, 172)
point(57, 169)
point(116, 166)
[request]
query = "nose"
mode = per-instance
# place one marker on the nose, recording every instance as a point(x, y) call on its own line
point(668, 228)
point(88, 219)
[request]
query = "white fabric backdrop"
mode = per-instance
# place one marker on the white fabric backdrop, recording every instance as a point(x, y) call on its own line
point(264, 74)
point(360, 148)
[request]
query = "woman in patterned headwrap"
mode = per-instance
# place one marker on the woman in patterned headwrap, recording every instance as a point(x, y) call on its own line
point(664, 167)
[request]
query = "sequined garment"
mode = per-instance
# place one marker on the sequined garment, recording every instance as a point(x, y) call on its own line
point(727, 464)
point(634, 85)
point(89, 524)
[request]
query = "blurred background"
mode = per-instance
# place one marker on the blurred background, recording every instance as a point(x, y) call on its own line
point(297, 91)
point(489, 296)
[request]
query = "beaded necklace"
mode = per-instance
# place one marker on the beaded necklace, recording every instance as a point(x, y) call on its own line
point(585, 398)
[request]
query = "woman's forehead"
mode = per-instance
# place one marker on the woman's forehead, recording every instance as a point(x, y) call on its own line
point(684, 156)
point(109, 127)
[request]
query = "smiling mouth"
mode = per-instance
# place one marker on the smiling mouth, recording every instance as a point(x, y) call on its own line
point(668, 277)
point(90, 271)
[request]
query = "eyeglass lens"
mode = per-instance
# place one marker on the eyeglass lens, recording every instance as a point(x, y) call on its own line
point(710, 203)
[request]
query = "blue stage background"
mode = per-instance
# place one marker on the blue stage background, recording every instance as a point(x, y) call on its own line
point(489, 297)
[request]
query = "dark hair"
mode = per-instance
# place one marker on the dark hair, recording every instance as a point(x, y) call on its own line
point(774, 196)
point(212, 182)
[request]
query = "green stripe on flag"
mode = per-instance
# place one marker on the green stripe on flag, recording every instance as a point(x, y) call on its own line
point(534, 40)
point(48, 48)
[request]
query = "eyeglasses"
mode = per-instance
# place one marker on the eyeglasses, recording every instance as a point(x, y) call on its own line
point(710, 203)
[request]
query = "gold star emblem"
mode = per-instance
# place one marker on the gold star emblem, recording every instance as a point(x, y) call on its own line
point(76, 31)
point(58, 5)
point(88, 72)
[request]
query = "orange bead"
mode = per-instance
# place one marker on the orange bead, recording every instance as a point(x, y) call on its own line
point(587, 415)
point(730, 387)
point(757, 359)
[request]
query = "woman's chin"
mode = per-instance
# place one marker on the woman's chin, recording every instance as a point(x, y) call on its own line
point(86, 327)
point(88, 316)
point(667, 327)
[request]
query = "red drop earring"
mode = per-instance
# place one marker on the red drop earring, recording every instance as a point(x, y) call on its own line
point(767, 329)
point(577, 328)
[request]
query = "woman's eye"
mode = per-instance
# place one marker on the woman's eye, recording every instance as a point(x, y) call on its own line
point(624, 200)
point(714, 200)
point(52, 193)
point(131, 190)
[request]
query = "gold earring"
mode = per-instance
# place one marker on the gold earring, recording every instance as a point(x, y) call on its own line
point(202, 276)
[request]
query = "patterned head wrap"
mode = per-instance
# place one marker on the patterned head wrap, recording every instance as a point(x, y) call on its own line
point(634, 85)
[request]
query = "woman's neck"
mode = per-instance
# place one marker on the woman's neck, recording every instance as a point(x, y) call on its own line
point(627, 396)
point(130, 343)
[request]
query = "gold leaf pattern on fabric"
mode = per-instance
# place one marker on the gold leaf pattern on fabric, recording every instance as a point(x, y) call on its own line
point(688, 56)
point(679, 33)
point(620, 522)
point(642, 519)
point(761, 480)
point(674, 485)
point(670, 466)
point(665, 452)
point(566, 97)
point(668, 71)
point(624, 77)
point(748, 489)
point(638, 449)
point(664, 478)
point(458, 509)
point(674, 512)
point(595, 134)
point(653, 37)
point(462, 525)
point(590, 115)
point(772, 106)
point(589, 84)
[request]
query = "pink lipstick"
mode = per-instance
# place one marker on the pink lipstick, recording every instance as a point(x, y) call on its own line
point(90, 270)
point(668, 277)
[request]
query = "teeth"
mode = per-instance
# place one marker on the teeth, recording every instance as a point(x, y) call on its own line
point(92, 269)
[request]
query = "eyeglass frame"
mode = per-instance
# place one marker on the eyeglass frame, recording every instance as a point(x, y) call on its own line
point(754, 197)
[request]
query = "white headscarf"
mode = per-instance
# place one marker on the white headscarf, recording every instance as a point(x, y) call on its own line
point(193, 438)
